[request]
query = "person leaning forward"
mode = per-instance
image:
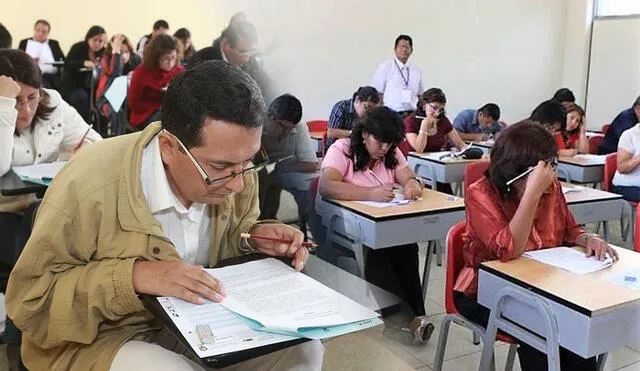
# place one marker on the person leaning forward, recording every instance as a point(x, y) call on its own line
point(141, 214)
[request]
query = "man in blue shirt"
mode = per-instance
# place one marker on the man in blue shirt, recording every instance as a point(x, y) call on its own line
point(625, 120)
point(478, 125)
point(346, 112)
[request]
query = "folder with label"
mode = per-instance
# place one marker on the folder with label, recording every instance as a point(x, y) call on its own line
point(39, 173)
point(268, 304)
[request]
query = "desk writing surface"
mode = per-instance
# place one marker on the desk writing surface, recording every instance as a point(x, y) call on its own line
point(431, 202)
point(435, 157)
point(578, 161)
point(588, 291)
point(588, 194)
point(317, 135)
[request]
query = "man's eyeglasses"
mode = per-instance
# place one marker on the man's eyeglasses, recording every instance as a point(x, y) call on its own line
point(262, 157)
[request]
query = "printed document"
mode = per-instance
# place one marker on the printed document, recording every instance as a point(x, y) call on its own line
point(569, 259)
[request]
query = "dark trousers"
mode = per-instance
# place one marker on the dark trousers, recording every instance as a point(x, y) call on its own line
point(53, 81)
point(531, 359)
point(396, 269)
point(15, 230)
point(444, 188)
point(629, 193)
point(79, 100)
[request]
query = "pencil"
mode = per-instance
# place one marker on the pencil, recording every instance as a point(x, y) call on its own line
point(256, 237)
point(83, 137)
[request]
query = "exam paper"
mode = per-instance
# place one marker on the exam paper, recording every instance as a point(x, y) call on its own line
point(230, 333)
point(117, 92)
point(569, 259)
point(571, 189)
point(394, 202)
point(38, 171)
point(283, 300)
point(596, 159)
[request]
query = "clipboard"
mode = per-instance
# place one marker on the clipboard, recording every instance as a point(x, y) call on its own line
point(221, 360)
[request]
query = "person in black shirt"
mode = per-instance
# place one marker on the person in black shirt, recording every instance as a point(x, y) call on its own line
point(45, 51)
point(625, 120)
point(81, 60)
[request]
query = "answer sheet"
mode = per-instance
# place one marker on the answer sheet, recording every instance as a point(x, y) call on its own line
point(39, 171)
point(230, 333)
point(283, 300)
point(569, 259)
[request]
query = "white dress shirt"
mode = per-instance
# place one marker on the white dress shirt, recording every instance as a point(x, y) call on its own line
point(400, 83)
point(188, 229)
point(42, 51)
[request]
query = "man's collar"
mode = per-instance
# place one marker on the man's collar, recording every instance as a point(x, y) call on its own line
point(400, 64)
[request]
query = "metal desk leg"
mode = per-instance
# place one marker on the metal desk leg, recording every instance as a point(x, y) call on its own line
point(605, 230)
point(427, 268)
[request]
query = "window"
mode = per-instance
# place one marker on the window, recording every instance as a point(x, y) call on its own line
point(608, 8)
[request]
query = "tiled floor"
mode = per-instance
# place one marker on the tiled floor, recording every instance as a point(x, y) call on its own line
point(460, 353)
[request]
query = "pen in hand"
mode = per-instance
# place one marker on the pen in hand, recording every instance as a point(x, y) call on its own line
point(77, 146)
point(257, 237)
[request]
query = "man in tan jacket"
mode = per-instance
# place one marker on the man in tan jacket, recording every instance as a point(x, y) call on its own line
point(141, 214)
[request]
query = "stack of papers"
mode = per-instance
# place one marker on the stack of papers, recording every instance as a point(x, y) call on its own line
point(267, 302)
point(569, 259)
point(571, 189)
point(39, 173)
point(596, 159)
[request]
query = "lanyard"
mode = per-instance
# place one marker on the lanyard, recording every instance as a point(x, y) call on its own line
point(405, 79)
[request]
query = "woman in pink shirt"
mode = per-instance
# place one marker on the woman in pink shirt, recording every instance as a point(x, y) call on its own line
point(365, 167)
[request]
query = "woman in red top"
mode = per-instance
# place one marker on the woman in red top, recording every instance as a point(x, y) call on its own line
point(505, 221)
point(117, 61)
point(429, 130)
point(432, 131)
point(573, 139)
point(160, 64)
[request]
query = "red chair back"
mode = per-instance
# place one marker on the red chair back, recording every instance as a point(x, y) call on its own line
point(320, 126)
point(313, 190)
point(455, 263)
point(594, 143)
point(317, 125)
point(610, 166)
point(605, 128)
point(473, 172)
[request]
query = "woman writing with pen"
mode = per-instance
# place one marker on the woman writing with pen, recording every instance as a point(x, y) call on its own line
point(365, 167)
point(35, 126)
point(429, 129)
point(519, 206)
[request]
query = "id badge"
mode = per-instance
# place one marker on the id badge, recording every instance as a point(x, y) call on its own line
point(405, 96)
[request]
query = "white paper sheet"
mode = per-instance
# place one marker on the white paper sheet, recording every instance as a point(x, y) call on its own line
point(394, 202)
point(281, 299)
point(34, 48)
point(571, 189)
point(117, 92)
point(596, 159)
point(230, 332)
point(39, 171)
point(629, 279)
point(569, 259)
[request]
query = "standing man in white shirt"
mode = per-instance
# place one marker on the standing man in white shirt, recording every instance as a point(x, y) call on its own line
point(398, 82)
point(45, 52)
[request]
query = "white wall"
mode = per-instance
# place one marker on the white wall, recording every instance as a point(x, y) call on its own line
point(614, 79)
point(70, 19)
point(509, 52)
point(579, 15)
